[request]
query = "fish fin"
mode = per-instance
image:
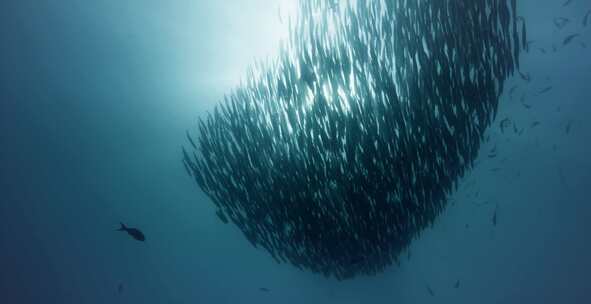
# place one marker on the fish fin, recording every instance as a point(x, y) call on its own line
point(123, 228)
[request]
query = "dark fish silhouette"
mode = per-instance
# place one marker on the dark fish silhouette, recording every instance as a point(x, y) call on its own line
point(583, 45)
point(567, 3)
point(526, 105)
point(586, 18)
point(191, 140)
point(544, 90)
point(264, 289)
point(494, 218)
point(568, 126)
point(569, 38)
point(430, 290)
point(561, 22)
point(542, 50)
point(457, 284)
point(120, 288)
point(535, 123)
point(525, 76)
point(135, 233)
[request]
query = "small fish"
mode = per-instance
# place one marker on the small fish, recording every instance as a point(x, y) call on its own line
point(120, 288)
point(567, 3)
point(568, 126)
point(535, 123)
point(430, 290)
point(542, 50)
point(561, 22)
point(492, 155)
point(493, 150)
point(222, 216)
point(457, 284)
point(191, 140)
point(512, 89)
point(187, 168)
point(526, 105)
point(554, 48)
point(494, 218)
point(133, 232)
point(466, 226)
point(544, 90)
point(263, 289)
point(583, 44)
point(569, 38)
point(586, 18)
point(525, 76)
point(495, 169)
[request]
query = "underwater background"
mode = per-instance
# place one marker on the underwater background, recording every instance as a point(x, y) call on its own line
point(95, 99)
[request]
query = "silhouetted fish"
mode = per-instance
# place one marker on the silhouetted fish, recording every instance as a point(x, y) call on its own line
point(561, 22)
point(535, 123)
point(544, 90)
point(264, 289)
point(569, 38)
point(525, 76)
point(430, 290)
point(457, 284)
point(135, 233)
point(494, 218)
point(567, 2)
point(120, 288)
point(586, 18)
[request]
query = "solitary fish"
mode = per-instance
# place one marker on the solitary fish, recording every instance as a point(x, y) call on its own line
point(586, 18)
point(263, 289)
point(569, 38)
point(120, 288)
point(135, 233)
point(567, 2)
point(494, 218)
point(457, 284)
point(561, 22)
point(430, 290)
point(544, 90)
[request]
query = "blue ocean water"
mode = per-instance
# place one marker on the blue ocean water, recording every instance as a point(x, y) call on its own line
point(95, 99)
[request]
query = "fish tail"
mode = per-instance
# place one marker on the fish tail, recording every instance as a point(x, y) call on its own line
point(123, 228)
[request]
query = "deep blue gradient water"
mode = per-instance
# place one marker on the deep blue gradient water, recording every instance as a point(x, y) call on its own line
point(95, 98)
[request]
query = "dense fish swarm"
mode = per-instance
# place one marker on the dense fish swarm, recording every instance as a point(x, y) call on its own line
point(339, 153)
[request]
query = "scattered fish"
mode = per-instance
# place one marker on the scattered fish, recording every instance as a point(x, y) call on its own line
point(586, 18)
point(133, 232)
point(567, 3)
point(120, 288)
point(583, 44)
point(535, 123)
point(457, 284)
point(263, 289)
point(542, 50)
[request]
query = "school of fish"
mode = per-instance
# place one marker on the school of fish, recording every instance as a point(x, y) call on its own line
point(337, 154)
